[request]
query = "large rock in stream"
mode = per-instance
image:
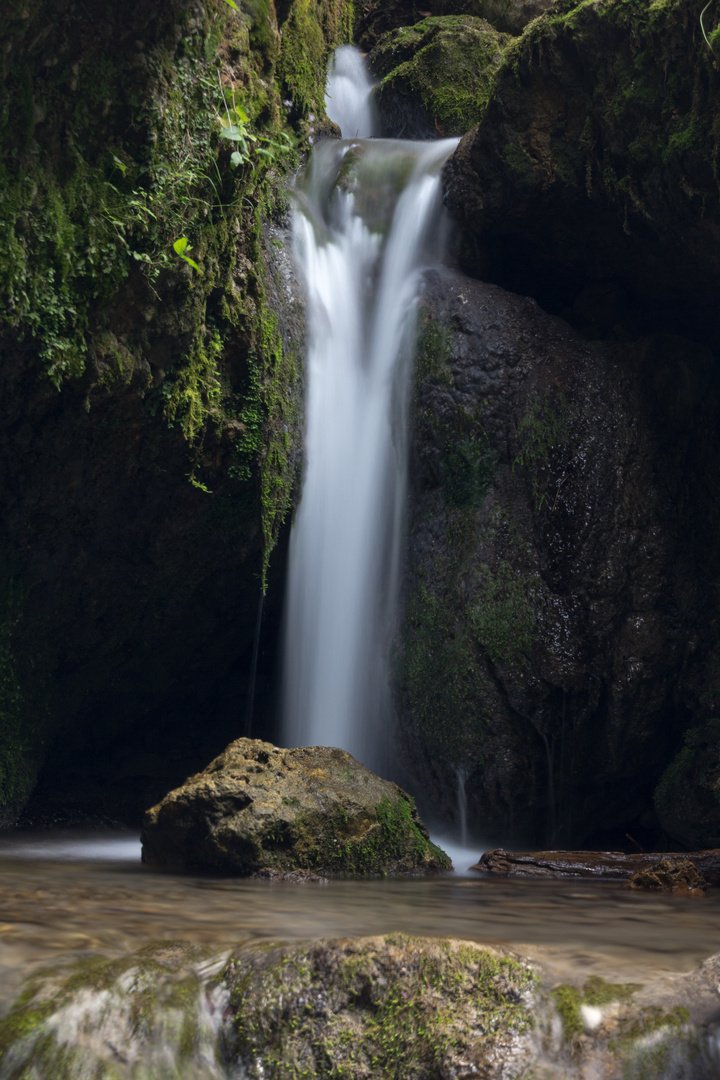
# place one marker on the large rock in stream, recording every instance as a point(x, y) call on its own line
point(391, 1006)
point(257, 807)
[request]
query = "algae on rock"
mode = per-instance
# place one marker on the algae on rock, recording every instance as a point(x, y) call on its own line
point(257, 807)
point(436, 75)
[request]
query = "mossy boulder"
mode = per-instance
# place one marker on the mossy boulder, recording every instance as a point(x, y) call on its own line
point(687, 799)
point(392, 1006)
point(258, 807)
point(377, 17)
point(436, 75)
point(595, 165)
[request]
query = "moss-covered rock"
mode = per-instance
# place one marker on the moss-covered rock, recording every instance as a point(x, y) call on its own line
point(377, 17)
point(436, 76)
point(398, 1007)
point(151, 341)
point(257, 807)
point(393, 1006)
point(687, 799)
point(594, 168)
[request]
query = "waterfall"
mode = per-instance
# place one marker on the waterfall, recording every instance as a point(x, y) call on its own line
point(370, 213)
point(460, 775)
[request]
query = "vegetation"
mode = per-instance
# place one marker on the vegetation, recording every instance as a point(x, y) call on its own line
point(398, 1007)
point(444, 64)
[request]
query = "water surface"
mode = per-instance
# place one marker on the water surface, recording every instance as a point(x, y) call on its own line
point(64, 896)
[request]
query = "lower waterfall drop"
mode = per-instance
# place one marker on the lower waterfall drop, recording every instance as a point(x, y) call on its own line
point(369, 221)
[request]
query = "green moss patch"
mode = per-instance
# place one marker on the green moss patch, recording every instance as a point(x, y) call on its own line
point(445, 63)
point(398, 1007)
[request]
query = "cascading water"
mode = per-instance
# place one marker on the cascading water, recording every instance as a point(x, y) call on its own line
point(370, 213)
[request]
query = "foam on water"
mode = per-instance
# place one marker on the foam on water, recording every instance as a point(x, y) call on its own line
point(103, 847)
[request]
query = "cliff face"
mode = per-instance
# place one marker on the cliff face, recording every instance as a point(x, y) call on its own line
point(561, 600)
point(151, 342)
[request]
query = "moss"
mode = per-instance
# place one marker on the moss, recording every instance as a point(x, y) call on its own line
point(505, 620)
point(396, 1007)
point(596, 992)
point(393, 844)
point(152, 997)
point(446, 63)
point(308, 35)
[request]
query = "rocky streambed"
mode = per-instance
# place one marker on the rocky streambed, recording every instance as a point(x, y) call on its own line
point(386, 1006)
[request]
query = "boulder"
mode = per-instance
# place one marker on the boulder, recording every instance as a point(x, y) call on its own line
point(388, 1006)
point(593, 173)
point(258, 807)
point(436, 76)
point(669, 875)
point(508, 16)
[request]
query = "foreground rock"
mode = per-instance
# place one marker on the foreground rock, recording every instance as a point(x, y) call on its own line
point(392, 1006)
point(257, 807)
point(603, 864)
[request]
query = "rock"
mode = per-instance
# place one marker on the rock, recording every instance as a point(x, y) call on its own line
point(436, 76)
point(508, 16)
point(697, 868)
point(557, 625)
point(358, 1008)
point(669, 876)
point(687, 799)
point(260, 808)
point(386, 1006)
point(591, 171)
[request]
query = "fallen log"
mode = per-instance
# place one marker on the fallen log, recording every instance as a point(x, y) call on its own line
point(608, 865)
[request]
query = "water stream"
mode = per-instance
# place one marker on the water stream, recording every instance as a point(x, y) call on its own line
point(369, 220)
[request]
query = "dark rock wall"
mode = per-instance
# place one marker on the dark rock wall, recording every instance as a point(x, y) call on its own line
point(150, 405)
point(561, 603)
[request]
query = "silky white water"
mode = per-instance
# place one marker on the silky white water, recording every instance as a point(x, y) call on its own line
point(369, 222)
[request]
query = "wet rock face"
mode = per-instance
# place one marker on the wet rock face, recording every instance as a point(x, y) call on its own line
point(558, 572)
point(589, 182)
point(436, 76)
point(258, 807)
point(687, 798)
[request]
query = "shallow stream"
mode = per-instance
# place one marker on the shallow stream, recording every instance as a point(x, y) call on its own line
point(62, 896)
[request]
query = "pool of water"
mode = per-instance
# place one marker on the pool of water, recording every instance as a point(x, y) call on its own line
point(65, 895)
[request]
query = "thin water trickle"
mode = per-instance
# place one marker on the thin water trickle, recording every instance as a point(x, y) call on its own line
point(369, 222)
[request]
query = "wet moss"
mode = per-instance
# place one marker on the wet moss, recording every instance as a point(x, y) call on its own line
point(445, 63)
point(396, 1007)
point(505, 620)
point(394, 844)
point(595, 992)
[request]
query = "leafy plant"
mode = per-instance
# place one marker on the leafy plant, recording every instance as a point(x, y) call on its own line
point(181, 246)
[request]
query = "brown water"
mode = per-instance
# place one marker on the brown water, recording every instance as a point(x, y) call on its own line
point(58, 902)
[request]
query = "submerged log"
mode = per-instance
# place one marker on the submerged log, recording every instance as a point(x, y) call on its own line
point(591, 864)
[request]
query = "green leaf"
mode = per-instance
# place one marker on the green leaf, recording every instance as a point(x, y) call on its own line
point(242, 115)
point(181, 246)
point(232, 4)
point(236, 159)
point(233, 133)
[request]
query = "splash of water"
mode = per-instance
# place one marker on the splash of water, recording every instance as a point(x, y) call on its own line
point(370, 215)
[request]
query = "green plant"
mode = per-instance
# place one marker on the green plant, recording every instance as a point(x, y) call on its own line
point(181, 248)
